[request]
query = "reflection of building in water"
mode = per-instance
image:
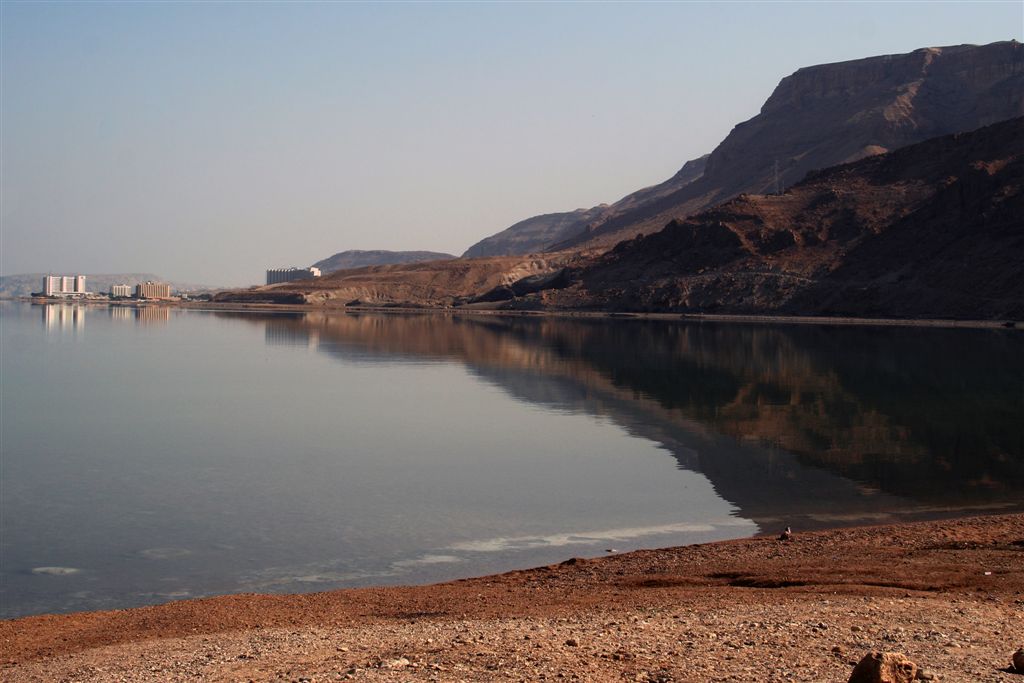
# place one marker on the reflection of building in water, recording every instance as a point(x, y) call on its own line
point(120, 290)
point(64, 285)
point(276, 275)
point(289, 332)
point(152, 314)
point(152, 290)
point(121, 313)
point(63, 318)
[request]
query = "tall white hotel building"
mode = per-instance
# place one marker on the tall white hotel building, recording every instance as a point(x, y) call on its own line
point(57, 285)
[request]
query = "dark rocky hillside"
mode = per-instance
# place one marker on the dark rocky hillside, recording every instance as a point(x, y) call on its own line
point(931, 230)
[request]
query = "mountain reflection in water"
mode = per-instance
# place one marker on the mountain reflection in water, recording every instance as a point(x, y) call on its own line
point(816, 423)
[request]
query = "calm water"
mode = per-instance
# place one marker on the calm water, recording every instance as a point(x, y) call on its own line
point(160, 454)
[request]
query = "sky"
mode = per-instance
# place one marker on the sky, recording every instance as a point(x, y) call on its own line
point(206, 142)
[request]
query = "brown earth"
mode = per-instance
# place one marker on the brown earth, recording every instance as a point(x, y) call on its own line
point(947, 594)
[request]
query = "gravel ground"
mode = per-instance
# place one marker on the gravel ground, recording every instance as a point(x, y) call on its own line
point(949, 595)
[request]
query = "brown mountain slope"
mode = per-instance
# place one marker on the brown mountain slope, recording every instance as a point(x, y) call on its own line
point(357, 258)
point(934, 229)
point(835, 113)
point(539, 233)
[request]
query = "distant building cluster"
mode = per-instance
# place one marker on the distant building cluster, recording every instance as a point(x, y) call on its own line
point(276, 275)
point(64, 285)
point(74, 286)
point(144, 290)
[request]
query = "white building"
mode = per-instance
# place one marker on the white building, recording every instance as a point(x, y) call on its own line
point(276, 275)
point(64, 285)
point(120, 290)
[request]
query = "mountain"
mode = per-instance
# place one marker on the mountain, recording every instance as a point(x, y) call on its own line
point(541, 232)
point(931, 230)
point(830, 114)
point(26, 283)
point(355, 258)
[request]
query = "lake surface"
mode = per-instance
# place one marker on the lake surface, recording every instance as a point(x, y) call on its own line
point(156, 454)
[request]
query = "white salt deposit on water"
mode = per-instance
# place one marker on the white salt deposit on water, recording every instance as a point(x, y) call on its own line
point(55, 571)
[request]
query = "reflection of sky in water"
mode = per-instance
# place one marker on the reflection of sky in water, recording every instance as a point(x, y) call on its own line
point(212, 453)
point(192, 457)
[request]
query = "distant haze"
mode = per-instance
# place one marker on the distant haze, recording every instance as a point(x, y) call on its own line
point(207, 142)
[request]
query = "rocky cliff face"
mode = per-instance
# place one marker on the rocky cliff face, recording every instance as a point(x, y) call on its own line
point(355, 258)
point(830, 114)
point(931, 230)
point(539, 233)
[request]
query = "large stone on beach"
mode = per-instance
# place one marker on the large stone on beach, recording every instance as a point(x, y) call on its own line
point(1018, 660)
point(884, 667)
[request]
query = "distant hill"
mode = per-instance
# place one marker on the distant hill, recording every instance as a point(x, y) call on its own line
point(830, 114)
point(354, 258)
point(931, 230)
point(539, 233)
point(25, 284)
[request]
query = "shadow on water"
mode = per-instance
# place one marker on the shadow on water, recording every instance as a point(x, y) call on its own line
point(822, 424)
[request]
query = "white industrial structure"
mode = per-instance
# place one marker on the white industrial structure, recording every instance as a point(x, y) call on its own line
point(276, 275)
point(64, 285)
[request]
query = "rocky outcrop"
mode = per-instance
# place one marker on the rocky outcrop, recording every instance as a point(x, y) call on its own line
point(830, 114)
point(355, 258)
point(931, 230)
point(539, 233)
point(884, 667)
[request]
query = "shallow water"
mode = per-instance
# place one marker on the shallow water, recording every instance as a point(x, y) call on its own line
point(157, 454)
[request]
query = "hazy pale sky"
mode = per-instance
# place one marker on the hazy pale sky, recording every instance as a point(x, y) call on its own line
point(206, 142)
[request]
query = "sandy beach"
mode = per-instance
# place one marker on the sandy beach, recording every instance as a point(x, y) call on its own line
point(948, 594)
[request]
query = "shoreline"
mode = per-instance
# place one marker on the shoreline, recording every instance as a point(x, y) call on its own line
point(891, 587)
point(761, 319)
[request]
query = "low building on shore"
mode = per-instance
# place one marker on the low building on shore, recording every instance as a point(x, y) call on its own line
point(277, 275)
point(121, 291)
